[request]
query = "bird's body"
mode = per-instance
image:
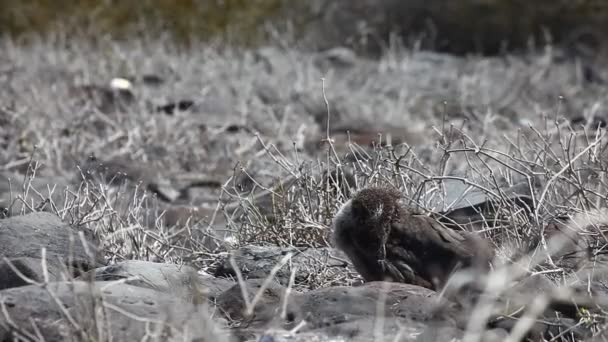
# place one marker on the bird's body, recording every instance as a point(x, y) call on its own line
point(385, 240)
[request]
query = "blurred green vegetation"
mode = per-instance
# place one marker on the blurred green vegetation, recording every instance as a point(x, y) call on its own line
point(490, 23)
point(464, 26)
point(239, 20)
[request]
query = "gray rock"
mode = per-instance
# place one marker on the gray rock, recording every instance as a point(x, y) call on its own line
point(563, 308)
point(22, 239)
point(102, 311)
point(348, 312)
point(180, 280)
point(460, 195)
point(354, 312)
point(286, 336)
point(548, 328)
point(264, 314)
point(256, 262)
point(449, 333)
point(471, 206)
point(402, 300)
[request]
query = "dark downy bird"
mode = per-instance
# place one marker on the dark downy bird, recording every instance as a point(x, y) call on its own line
point(385, 240)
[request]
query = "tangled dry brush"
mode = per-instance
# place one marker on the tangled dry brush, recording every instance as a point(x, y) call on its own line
point(263, 146)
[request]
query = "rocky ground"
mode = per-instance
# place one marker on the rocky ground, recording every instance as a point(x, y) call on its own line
point(162, 193)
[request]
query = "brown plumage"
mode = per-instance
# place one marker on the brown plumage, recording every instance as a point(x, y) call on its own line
point(385, 240)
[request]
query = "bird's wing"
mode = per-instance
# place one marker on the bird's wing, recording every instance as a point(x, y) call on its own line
point(401, 266)
point(428, 231)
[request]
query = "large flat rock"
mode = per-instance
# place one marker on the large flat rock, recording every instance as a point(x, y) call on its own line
point(256, 262)
point(336, 312)
point(101, 311)
point(69, 250)
point(179, 280)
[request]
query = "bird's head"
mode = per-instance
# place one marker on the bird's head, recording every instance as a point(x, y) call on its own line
point(375, 205)
point(366, 217)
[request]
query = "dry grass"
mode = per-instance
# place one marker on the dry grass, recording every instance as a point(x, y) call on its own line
point(468, 138)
